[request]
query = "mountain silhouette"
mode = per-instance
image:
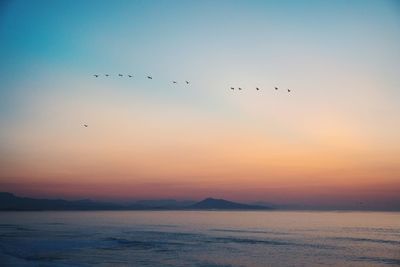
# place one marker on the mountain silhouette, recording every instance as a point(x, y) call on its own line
point(165, 203)
point(222, 204)
point(9, 201)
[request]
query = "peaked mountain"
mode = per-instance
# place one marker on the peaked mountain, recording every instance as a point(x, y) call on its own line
point(10, 201)
point(222, 204)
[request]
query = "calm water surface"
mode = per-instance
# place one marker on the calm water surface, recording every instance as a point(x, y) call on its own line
point(205, 238)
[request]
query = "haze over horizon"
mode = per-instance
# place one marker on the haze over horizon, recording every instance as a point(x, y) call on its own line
point(334, 140)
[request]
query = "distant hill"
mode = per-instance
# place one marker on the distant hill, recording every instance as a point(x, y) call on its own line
point(165, 203)
point(9, 201)
point(221, 204)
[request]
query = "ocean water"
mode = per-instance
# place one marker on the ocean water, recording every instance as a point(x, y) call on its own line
point(199, 238)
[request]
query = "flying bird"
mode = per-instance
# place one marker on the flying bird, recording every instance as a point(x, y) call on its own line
point(276, 88)
point(120, 75)
point(96, 75)
point(288, 90)
point(257, 88)
point(232, 88)
point(240, 88)
point(86, 125)
point(174, 82)
point(107, 75)
point(149, 77)
point(130, 76)
point(187, 82)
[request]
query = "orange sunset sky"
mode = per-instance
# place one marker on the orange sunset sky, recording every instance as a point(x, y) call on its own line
point(333, 140)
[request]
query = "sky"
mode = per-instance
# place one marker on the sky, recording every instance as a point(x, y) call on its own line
point(332, 141)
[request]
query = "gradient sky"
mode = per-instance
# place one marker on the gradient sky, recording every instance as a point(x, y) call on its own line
point(334, 141)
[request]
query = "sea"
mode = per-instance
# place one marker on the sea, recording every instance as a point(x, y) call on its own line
point(199, 238)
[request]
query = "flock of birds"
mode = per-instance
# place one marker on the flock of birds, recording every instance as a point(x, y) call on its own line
point(175, 82)
point(257, 88)
point(131, 76)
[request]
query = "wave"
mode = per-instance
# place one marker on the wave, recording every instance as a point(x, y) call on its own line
point(250, 231)
point(388, 261)
point(272, 242)
point(356, 239)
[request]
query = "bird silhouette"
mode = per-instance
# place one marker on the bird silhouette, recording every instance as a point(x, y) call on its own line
point(86, 125)
point(175, 82)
